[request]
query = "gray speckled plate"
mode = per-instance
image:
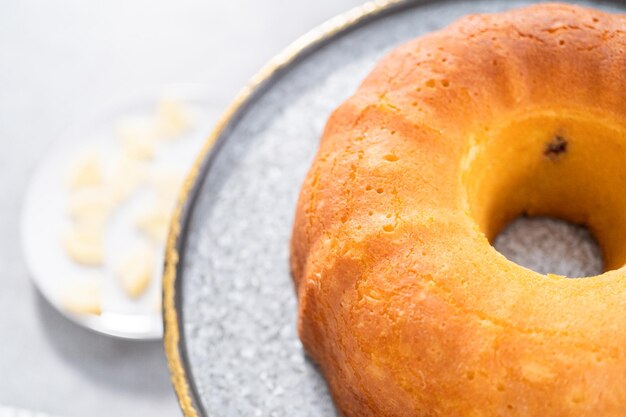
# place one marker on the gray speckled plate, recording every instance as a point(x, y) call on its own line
point(229, 305)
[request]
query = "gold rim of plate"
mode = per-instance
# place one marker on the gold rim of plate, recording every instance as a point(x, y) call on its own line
point(171, 337)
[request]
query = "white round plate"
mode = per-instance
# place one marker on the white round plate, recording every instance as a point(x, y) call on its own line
point(44, 213)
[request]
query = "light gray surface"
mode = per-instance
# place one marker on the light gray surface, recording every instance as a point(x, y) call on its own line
point(238, 302)
point(58, 60)
point(19, 412)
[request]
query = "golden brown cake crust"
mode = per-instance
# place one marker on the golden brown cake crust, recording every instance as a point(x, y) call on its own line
point(405, 305)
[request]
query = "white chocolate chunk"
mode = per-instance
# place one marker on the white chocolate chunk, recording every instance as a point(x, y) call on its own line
point(154, 222)
point(139, 148)
point(84, 242)
point(127, 175)
point(167, 183)
point(83, 297)
point(137, 137)
point(157, 303)
point(173, 118)
point(136, 270)
point(90, 204)
point(85, 171)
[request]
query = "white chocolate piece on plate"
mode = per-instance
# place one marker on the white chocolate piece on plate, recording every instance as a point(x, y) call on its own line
point(137, 137)
point(136, 270)
point(83, 296)
point(154, 221)
point(167, 183)
point(173, 118)
point(127, 175)
point(84, 242)
point(85, 171)
point(91, 203)
point(157, 302)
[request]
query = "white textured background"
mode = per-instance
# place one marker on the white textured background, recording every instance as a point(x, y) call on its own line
point(58, 60)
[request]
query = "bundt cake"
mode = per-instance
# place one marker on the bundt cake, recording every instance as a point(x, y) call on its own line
point(403, 302)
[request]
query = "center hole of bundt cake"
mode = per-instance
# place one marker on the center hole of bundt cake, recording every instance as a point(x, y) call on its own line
point(548, 245)
point(542, 185)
